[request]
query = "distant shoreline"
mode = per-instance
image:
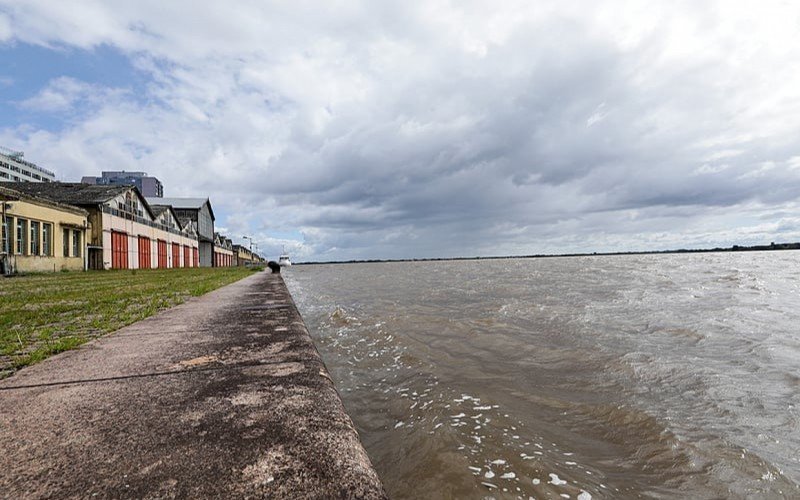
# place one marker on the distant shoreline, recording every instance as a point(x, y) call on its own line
point(734, 248)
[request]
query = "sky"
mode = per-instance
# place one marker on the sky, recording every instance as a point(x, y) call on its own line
point(377, 130)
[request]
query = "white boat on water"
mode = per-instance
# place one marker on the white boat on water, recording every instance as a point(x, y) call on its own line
point(283, 260)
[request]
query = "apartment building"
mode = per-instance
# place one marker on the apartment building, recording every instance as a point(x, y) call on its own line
point(148, 186)
point(14, 168)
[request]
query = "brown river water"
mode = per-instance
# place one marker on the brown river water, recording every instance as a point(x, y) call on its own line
point(656, 376)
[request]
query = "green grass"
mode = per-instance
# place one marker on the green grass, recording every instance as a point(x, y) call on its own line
point(44, 314)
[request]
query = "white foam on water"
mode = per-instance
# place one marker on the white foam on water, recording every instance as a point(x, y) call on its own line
point(584, 496)
point(499, 461)
point(508, 475)
point(489, 474)
point(555, 480)
point(536, 481)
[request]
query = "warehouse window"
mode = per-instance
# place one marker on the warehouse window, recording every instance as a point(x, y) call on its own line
point(47, 239)
point(35, 237)
point(22, 237)
point(8, 223)
point(76, 243)
point(65, 242)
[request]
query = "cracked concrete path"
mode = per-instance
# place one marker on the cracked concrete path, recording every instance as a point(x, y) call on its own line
point(224, 396)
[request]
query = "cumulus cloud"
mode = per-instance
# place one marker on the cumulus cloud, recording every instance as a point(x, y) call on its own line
point(65, 93)
point(378, 129)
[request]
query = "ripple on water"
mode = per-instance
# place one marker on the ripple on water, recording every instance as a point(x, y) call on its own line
point(648, 375)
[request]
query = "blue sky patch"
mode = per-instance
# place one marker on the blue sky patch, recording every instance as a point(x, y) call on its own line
point(26, 69)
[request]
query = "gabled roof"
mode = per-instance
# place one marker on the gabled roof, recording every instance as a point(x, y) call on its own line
point(9, 193)
point(160, 209)
point(70, 193)
point(183, 203)
point(75, 193)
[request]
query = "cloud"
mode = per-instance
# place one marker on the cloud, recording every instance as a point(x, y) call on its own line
point(5, 28)
point(64, 93)
point(422, 129)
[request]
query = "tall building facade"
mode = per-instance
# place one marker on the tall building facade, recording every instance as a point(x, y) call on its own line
point(14, 168)
point(148, 186)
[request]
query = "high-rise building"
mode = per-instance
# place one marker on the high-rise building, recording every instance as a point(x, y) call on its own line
point(148, 186)
point(14, 168)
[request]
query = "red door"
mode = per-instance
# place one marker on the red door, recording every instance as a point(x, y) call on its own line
point(176, 255)
point(144, 252)
point(186, 261)
point(196, 257)
point(119, 250)
point(162, 254)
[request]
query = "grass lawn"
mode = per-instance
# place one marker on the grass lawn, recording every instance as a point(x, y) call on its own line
point(44, 314)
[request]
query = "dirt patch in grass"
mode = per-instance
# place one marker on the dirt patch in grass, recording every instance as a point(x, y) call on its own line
point(44, 314)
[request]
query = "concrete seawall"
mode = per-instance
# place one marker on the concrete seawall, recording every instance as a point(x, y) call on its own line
point(224, 396)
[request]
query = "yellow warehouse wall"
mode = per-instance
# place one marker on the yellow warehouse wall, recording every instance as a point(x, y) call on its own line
point(60, 219)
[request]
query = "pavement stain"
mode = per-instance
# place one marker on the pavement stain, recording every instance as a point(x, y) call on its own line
point(199, 361)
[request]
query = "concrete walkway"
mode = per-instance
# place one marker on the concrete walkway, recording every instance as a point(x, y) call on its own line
point(224, 396)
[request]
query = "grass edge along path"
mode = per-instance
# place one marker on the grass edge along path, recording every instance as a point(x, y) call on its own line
point(44, 314)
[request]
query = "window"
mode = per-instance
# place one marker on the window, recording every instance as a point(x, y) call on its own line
point(22, 237)
point(8, 244)
point(35, 237)
point(76, 243)
point(47, 239)
point(65, 242)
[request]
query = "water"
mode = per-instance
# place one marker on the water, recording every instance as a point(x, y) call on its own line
point(659, 376)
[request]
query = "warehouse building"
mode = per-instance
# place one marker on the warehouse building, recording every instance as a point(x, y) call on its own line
point(223, 251)
point(197, 212)
point(125, 233)
point(243, 256)
point(40, 235)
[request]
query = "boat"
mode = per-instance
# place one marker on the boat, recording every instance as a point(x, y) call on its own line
point(283, 260)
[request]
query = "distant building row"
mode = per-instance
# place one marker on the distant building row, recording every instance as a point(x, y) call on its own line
point(72, 226)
